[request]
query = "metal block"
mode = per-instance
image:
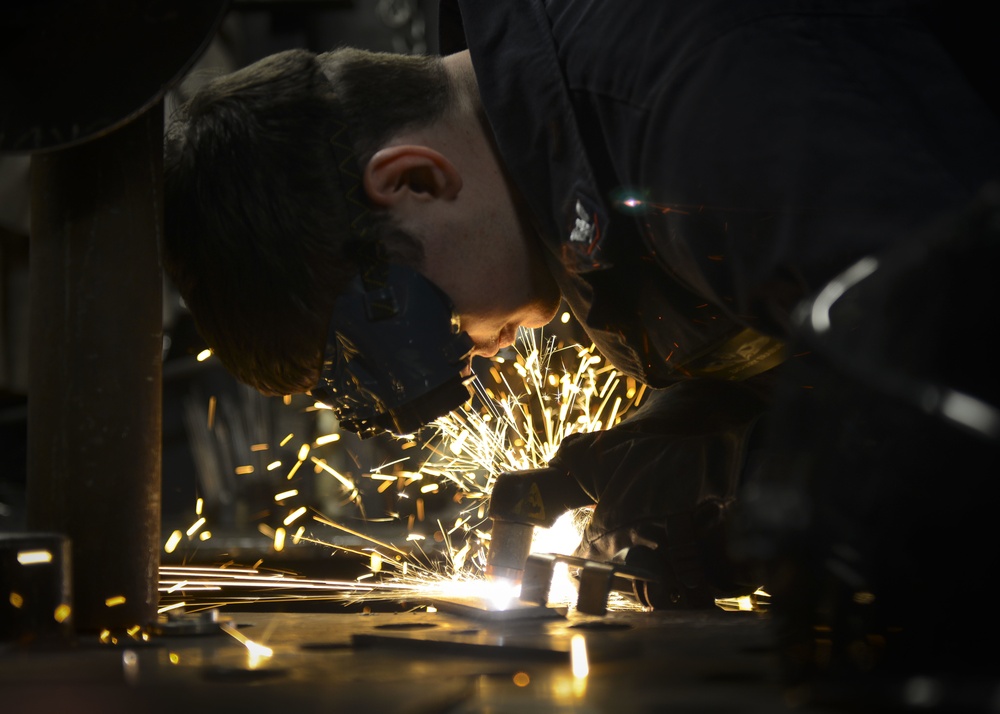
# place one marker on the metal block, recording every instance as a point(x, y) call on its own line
point(537, 579)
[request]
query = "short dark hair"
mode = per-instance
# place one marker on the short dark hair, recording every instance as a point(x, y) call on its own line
point(255, 214)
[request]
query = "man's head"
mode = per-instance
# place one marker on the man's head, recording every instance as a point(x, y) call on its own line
point(257, 229)
point(255, 207)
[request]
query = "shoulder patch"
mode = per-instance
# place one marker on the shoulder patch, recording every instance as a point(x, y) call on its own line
point(585, 226)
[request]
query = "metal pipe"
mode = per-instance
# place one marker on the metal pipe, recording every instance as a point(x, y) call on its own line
point(95, 348)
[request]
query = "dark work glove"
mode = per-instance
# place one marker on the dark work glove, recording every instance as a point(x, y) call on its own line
point(665, 481)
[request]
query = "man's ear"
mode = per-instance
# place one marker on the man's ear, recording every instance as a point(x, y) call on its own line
point(398, 171)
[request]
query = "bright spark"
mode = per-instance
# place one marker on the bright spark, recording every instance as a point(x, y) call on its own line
point(255, 651)
point(516, 421)
point(34, 557)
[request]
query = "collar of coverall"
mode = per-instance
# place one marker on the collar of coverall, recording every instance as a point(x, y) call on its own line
point(569, 189)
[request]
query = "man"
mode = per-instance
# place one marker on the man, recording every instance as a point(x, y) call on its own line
point(683, 174)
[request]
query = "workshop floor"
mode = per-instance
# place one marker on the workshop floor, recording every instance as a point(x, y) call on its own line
point(453, 659)
point(415, 661)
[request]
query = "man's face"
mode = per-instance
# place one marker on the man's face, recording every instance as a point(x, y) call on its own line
point(491, 309)
point(495, 290)
point(478, 245)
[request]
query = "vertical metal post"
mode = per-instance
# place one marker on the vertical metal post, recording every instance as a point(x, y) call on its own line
point(95, 375)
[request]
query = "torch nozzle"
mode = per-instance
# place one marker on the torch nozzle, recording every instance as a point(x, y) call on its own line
point(510, 545)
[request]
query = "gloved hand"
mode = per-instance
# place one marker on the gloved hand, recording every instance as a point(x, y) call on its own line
point(665, 481)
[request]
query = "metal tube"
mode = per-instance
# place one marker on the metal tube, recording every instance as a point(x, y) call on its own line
point(95, 347)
